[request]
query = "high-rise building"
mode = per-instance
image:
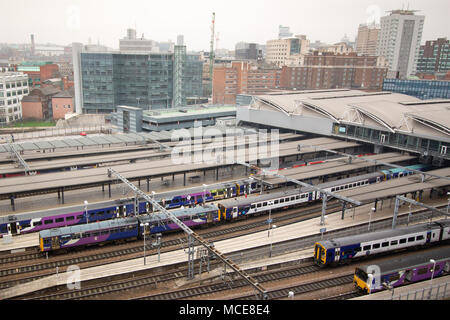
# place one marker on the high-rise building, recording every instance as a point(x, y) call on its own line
point(434, 58)
point(399, 41)
point(279, 51)
point(13, 87)
point(366, 41)
point(104, 80)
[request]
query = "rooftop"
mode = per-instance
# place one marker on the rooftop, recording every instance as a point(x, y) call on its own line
point(386, 111)
point(181, 112)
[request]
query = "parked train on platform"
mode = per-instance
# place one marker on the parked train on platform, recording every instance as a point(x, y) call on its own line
point(346, 249)
point(54, 218)
point(102, 211)
point(397, 272)
point(122, 229)
point(230, 209)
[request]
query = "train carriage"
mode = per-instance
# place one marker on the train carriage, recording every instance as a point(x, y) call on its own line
point(345, 249)
point(88, 234)
point(397, 272)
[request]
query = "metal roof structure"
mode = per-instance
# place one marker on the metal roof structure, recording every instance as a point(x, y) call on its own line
point(384, 119)
point(392, 111)
point(127, 138)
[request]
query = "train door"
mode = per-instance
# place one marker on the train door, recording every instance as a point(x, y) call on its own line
point(337, 255)
point(235, 212)
point(55, 243)
point(428, 237)
point(12, 228)
point(209, 217)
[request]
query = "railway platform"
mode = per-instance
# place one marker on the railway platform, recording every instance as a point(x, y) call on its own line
point(440, 289)
point(360, 216)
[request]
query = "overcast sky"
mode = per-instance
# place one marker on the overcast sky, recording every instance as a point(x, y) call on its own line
point(66, 21)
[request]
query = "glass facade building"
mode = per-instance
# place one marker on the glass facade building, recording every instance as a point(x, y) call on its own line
point(403, 141)
point(422, 89)
point(144, 80)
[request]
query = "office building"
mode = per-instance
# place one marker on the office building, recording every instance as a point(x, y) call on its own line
point(243, 77)
point(434, 58)
point(399, 42)
point(38, 71)
point(366, 41)
point(278, 52)
point(330, 71)
point(104, 80)
point(13, 87)
point(422, 89)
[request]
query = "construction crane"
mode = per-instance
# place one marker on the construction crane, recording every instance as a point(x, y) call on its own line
point(211, 54)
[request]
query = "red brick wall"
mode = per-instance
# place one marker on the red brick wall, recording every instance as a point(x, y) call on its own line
point(61, 106)
point(32, 110)
point(241, 78)
point(48, 71)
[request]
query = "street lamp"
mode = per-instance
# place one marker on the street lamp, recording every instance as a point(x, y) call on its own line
point(432, 274)
point(86, 211)
point(204, 194)
point(273, 228)
point(448, 203)
point(269, 221)
point(144, 225)
point(370, 217)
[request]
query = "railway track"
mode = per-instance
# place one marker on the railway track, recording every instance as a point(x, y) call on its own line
point(127, 251)
point(345, 296)
point(304, 288)
point(273, 275)
point(138, 282)
point(36, 267)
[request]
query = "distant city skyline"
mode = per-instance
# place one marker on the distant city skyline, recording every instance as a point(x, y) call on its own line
point(66, 21)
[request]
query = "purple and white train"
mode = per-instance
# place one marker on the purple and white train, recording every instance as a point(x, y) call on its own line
point(398, 272)
point(123, 229)
point(106, 210)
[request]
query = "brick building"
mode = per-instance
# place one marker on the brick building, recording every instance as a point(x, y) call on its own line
point(38, 71)
point(434, 59)
point(242, 77)
point(329, 71)
point(62, 103)
point(38, 104)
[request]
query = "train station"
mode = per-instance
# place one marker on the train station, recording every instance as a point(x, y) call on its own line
point(294, 201)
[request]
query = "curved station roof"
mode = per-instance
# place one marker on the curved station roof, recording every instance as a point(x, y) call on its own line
point(387, 111)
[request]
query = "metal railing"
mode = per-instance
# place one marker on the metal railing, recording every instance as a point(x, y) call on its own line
point(436, 292)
